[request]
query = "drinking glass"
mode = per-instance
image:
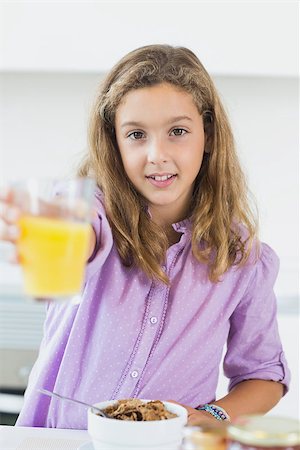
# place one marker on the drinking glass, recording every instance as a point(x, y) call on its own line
point(54, 235)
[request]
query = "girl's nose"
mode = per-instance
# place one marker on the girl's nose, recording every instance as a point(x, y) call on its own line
point(157, 152)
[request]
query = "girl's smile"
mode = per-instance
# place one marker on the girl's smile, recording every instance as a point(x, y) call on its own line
point(161, 140)
point(161, 180)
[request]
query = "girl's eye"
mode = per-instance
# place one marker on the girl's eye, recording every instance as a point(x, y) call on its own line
point(178, 132)
point(135, 135)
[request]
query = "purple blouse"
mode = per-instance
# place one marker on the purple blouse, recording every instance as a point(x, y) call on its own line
point(132, 337)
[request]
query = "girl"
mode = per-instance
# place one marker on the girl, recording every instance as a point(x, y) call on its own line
point(175, 269)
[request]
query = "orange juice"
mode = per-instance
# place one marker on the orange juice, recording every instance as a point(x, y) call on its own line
point(53, 254)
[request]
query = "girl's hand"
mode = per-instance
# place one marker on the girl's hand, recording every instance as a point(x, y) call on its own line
point(195, 417)
point(9, 215)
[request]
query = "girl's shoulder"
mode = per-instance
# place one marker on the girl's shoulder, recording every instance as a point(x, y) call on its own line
point(263, 264)
point(257, 249)
point(262, 257)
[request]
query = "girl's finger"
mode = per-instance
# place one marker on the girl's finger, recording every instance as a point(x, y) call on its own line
point(9, 233)
point(6, 195)
point(14, 258)
point(9, 214)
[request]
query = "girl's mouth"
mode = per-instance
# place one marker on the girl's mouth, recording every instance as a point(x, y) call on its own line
point(161, 181)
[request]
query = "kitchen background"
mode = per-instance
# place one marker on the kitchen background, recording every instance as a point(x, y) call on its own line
point(52, 57)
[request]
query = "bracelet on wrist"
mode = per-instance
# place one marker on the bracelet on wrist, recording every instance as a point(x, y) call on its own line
point(216, 411)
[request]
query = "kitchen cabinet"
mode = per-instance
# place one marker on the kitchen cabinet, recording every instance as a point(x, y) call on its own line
point(231, 38)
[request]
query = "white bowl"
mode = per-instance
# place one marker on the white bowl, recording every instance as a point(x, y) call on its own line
point(114, 434)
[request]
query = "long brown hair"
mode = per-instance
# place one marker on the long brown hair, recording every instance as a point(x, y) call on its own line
point(219, 209)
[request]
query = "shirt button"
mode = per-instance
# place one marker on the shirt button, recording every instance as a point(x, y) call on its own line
point(134, 374)
point(153, 319)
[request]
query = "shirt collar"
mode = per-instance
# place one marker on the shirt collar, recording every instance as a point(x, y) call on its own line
point(183, 226)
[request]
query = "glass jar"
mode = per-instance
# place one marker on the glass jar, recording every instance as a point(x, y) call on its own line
point(257, 432)
point(205, 437)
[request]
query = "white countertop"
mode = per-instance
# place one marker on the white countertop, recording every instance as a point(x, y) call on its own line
point(28, 438)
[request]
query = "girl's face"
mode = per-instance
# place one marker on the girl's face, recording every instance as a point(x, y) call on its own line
point(161, 139)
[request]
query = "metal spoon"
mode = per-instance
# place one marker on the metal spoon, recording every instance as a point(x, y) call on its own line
point(61, 397)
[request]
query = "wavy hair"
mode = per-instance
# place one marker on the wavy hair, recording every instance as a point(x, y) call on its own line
point(223, 223)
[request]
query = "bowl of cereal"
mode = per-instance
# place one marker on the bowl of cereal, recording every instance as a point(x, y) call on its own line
point(137, 424)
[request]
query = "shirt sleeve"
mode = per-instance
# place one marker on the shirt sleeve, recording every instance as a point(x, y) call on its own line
point(254, 349)
point(104, 238)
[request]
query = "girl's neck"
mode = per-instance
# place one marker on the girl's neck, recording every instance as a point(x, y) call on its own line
point(173, 236)
point(166, 221)
point(165, 216)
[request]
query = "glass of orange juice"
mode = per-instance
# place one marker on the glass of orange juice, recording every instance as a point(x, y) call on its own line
point(54, 235)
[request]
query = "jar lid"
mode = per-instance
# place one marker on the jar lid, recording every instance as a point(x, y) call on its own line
point(265, 431)
point(206, 435)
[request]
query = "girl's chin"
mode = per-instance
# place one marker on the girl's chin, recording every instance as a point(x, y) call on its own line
point(159, 201)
